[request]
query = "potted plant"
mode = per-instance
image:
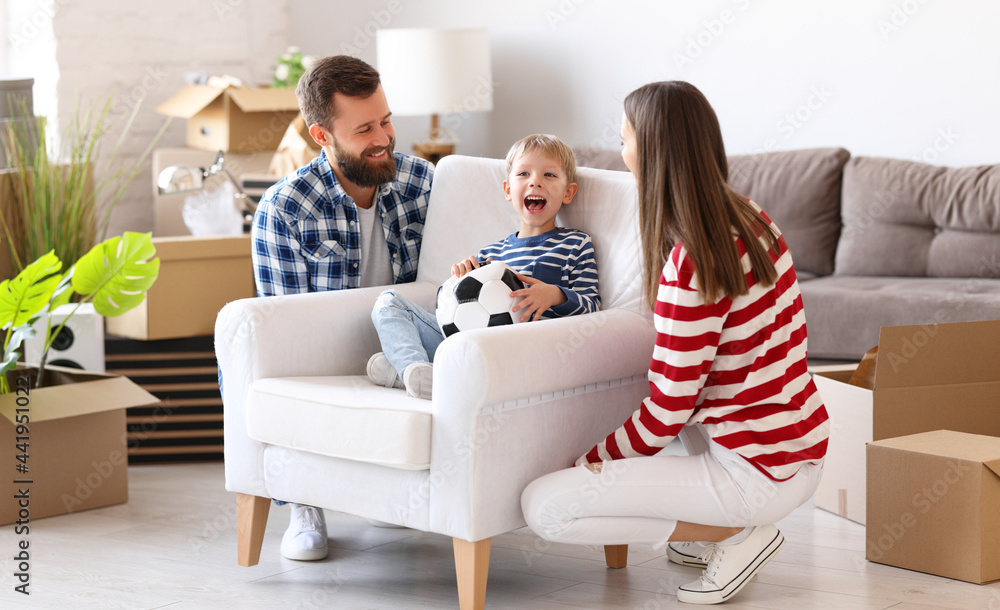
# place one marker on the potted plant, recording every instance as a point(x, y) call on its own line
point(114, 275)
point(60, 192)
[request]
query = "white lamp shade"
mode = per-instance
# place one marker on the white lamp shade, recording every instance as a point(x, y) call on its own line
point(428, 71)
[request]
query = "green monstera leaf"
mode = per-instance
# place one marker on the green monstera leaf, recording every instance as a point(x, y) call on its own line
point(117, 272)
point(25, 296)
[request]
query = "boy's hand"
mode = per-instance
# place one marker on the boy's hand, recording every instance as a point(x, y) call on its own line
point(462, 267)
point(538, 297)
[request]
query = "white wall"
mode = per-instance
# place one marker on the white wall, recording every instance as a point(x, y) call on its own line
point(138, 52)
point(899, 78)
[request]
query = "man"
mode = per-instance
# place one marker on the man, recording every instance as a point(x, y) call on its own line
point(352, 217)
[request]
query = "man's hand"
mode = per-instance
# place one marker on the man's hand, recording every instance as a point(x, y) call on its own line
point(462, 267)
point(538, 297)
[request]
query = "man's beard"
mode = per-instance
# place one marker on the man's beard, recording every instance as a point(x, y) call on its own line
point(362, 172)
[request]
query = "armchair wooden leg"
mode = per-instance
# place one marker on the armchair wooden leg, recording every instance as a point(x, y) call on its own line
point(251, 518)
point(472, 564)
point(616, 555)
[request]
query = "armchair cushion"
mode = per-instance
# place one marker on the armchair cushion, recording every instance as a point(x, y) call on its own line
point(344, 417)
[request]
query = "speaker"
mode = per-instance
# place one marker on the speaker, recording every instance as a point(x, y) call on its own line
point(80, 343)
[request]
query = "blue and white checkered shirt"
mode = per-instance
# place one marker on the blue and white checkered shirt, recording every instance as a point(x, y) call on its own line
point(306, 236)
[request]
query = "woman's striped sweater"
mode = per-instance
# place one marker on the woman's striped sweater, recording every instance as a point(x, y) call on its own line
point(737, 366)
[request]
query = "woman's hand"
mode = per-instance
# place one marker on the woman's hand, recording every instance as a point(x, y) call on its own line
point(582, 461)
point(538, 297)
point(462, 267)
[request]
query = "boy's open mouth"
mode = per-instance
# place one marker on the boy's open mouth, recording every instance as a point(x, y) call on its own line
point(534, 203)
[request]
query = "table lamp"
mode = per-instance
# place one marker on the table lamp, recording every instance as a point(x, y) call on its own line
point(435, 71)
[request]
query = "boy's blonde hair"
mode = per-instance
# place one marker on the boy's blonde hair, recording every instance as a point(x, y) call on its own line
point(548, 144)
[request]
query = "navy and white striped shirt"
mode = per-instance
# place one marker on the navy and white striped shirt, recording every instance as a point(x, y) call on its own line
point(306, 236)
point(561, 257)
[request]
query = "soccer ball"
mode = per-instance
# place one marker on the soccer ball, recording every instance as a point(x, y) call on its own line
point(478, 299)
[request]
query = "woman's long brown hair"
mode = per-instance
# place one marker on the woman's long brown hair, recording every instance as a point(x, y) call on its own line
point(684, 196)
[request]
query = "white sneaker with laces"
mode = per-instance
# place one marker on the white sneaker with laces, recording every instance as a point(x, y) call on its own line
point(305, 538)
point(380, 372)
point(731, 566)
point(418, 379)
point(691, 554)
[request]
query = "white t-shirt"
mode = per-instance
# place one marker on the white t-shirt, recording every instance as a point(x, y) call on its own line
point(375, 268)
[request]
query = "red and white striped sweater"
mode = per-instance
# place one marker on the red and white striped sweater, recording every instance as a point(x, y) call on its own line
point(737, 366)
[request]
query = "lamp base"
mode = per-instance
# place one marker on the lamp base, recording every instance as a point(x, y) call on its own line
point(433, 151)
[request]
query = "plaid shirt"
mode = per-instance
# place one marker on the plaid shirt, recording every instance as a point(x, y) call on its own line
point(306, 236)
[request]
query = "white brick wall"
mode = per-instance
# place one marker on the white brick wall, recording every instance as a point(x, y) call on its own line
point(140, 50)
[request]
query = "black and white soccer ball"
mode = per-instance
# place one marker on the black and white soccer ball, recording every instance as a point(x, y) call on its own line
point(478, 299)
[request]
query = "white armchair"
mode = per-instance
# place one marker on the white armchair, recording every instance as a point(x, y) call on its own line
point(304, 424)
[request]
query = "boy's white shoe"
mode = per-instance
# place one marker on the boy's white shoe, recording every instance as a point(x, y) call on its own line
point(418, 379)
point(731, 567)
point(381, 372)
point(692, 554)
point(305, 538)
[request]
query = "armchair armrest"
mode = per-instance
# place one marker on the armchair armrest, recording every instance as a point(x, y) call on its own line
point(322, 333)
point(490, 366)
point(318, 333)
point(516, 402)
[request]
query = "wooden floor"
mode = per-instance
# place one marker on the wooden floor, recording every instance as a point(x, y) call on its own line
point(173, 546)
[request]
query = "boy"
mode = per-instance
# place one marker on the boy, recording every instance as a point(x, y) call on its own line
point(556, 264)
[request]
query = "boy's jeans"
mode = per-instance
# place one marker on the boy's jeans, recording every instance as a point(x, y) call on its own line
point(408, 333)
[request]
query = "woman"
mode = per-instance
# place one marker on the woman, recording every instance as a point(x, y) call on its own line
point(728, 372)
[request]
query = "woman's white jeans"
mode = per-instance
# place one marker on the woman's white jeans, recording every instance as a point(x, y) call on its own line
point(640, 500)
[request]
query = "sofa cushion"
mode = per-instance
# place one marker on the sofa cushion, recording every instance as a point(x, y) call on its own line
point(345, 417)
point(844, 314)
point(800, 190)
point(903, 218)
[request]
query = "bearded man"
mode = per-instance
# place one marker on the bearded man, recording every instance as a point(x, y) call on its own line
point(352, 217)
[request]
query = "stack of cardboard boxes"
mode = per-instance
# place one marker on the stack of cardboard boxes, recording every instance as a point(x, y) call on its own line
point(917, 457)
point(166, 344)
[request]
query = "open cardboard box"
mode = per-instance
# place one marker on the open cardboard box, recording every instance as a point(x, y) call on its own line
point(198, 276)
point(238, 119)
point(927, 377)
point(934, 504)
point(296, 149)
point(75, 442)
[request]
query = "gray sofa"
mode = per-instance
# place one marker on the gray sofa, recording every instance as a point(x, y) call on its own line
point(876, 242)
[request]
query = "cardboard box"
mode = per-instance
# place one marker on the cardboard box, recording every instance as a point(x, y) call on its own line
point(75, 443)
point(237, 119)
point(296, 149)
point(934, 504)
point(198, 276)
point(927, 377)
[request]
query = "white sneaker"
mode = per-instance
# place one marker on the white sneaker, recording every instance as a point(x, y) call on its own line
point(731, 566)
point(381, 373)
point(691, 554)
point(305, 538)
point(419, 379)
